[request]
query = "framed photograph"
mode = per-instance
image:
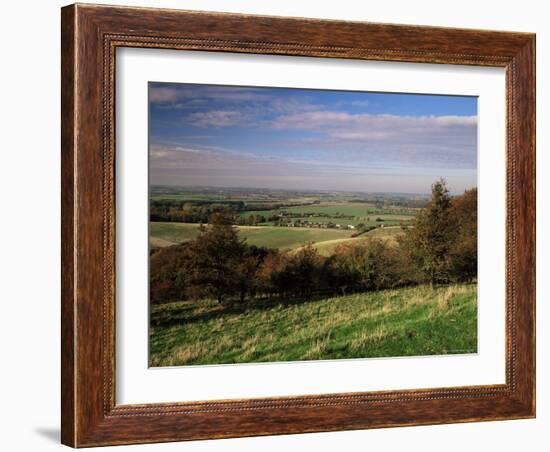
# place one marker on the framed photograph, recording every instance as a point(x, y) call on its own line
point(281, 225)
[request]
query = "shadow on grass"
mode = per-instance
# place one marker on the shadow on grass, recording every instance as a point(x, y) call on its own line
point(180, 315)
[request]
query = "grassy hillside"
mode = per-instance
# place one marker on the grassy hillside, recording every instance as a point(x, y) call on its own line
point(165, 234)
point(403, 322)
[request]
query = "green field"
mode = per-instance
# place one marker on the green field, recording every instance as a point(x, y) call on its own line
point(403, 322)
point(331, 212)
point(389, 220)
point(364, 213)
point(344, 208)
point(356, 209)
point(165, 234)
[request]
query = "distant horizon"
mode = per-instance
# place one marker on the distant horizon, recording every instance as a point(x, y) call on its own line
point(295, 139)
point(305, 190)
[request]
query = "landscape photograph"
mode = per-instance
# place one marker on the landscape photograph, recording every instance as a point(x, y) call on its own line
point(291, 224)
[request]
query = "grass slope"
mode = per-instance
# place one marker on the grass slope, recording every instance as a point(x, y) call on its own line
point(165, 234)
point(403, 322)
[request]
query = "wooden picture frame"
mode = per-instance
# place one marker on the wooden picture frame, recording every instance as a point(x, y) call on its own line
point(90, 36)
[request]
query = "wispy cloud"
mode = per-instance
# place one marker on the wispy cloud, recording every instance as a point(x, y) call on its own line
point(212, 167)
point(382, 124)
point(253, 103)
point(406, 140)
point(216, 118)
point(163, 94)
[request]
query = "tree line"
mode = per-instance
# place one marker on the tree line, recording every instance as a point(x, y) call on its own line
point(439, 247)
point(197, 211)
point(190, 212)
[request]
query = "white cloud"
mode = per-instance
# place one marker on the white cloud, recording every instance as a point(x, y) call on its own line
point(217, 118)
point(401, 140)
point(163, 95)
point(348, 122)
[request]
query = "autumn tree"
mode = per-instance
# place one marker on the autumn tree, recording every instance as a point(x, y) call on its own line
point(463, 250)
point(271, 275)
point(305, 270)
point(379, 265)
point(167, 275)
point(340, 272)
point(294, 273)
point(247, 270)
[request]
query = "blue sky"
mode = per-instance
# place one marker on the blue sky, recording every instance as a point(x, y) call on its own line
point(228, 136)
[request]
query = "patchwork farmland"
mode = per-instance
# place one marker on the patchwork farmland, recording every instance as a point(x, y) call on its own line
point(295, 219)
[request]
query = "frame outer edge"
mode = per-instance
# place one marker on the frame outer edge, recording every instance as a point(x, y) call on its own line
point(534, 227)
point(526, 212)
point(68, 242)
point(86, 420)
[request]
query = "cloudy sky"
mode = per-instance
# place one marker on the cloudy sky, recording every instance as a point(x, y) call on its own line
point(227, 136)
